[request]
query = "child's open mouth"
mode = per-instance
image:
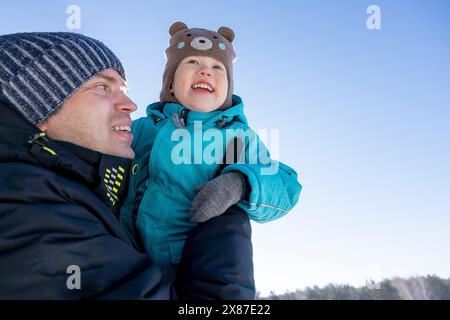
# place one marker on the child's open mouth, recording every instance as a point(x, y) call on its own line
point(202, 87)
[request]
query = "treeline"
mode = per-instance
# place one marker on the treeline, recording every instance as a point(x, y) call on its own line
point(430, 287)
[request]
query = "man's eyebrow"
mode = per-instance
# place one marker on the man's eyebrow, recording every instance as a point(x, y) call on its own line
point(109, 79)
point(105, 77)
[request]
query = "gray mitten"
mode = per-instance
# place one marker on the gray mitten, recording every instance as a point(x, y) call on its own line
point(216, 196)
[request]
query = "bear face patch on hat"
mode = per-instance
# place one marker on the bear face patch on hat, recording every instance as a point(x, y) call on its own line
point(185, 42)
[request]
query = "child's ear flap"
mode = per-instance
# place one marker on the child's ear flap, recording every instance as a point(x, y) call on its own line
point(227, 33)
point(177, 26)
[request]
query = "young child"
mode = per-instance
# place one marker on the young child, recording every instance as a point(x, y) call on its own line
point(170, 191)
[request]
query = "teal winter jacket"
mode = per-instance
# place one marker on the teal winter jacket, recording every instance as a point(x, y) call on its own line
point(177, 150)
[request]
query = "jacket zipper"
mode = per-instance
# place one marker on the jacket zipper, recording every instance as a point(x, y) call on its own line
point(158, 137)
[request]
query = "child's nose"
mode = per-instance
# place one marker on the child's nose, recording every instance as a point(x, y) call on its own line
point(205, 71)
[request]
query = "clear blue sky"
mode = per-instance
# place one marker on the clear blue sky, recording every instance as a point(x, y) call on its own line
point(364, 118)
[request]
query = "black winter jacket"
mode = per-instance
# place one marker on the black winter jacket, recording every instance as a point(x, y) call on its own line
point(60, 237)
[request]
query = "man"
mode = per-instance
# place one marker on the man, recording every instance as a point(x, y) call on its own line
point(64, 160)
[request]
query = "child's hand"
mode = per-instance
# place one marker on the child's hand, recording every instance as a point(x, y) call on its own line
point(216, 196)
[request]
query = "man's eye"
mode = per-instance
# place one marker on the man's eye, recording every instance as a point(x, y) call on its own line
point(104, 87)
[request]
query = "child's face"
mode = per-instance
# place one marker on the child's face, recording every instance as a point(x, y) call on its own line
point(200, 83)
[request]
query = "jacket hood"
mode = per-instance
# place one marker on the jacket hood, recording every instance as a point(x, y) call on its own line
point(209, 119)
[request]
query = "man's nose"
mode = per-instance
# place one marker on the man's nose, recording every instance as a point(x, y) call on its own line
point(126, 104)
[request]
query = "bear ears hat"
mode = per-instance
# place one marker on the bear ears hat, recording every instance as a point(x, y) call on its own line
point(185, 42)
point(225, 31)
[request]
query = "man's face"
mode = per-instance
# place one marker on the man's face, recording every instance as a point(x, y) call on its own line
point(97, 116)
point(200, 83)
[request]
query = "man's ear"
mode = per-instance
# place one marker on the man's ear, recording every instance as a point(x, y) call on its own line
point(43, 126)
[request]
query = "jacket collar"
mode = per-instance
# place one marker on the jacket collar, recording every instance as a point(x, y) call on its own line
point(20, 141)
point(216, 118)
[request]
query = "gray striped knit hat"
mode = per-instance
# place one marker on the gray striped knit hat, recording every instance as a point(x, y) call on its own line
point(39, 71)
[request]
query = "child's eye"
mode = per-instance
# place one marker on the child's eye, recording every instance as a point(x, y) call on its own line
point(218, 67)
point(193, 61)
